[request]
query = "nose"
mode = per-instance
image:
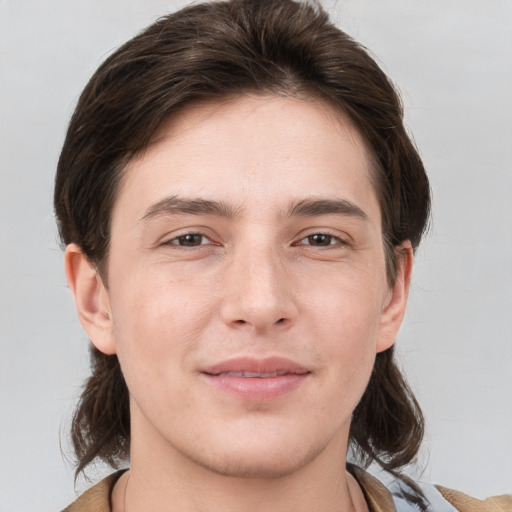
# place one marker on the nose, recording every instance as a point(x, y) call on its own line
point(258, 291)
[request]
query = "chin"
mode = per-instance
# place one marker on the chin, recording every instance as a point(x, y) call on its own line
point(246, 466)
point(258, 456)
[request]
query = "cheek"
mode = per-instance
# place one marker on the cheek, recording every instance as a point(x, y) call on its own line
point(345, 318)
point(347, 299)
point(156, 321)
point(158, 299)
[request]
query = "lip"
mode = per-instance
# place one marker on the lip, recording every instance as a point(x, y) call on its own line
point(255, 379)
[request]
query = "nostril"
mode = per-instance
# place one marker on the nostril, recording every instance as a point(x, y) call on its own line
point(280, 321)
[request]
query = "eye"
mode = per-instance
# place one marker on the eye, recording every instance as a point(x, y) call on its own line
point(189, 240)
point(321, 240)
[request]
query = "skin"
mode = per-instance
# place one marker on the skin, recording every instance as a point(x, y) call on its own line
point(265, 280)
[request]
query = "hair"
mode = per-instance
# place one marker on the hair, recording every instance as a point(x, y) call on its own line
point(217, 50)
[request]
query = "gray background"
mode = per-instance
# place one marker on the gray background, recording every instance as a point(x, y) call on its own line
point(453, 62)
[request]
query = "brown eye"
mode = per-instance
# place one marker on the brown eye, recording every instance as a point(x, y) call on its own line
point(320, 240)
point(189, 240)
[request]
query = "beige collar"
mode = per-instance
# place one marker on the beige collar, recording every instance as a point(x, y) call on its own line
point(97, 498)
point(376, 494)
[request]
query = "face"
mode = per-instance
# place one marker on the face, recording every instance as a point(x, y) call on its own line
point(247, 293)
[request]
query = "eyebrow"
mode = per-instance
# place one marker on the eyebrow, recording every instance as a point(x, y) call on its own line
point(309, 207)
point(316, 207)
point(175, 205)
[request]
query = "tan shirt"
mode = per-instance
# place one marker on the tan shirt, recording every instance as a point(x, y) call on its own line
point(378, 497)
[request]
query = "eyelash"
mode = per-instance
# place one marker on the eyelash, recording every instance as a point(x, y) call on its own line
point(331, 237)
point(338, 241)
point(175, 241)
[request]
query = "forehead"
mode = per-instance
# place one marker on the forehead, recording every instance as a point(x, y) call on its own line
point(252, 149)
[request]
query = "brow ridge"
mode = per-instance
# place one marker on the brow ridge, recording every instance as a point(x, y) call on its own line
point(197, 206)
point(312, 207)
point(309, 207)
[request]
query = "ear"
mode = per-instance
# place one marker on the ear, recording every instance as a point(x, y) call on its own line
point(396, 299)
point(91, 299)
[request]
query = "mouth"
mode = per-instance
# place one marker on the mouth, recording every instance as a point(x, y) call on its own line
point(253, 375)
point(254, 379)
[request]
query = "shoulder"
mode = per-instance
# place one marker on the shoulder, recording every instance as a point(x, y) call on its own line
point(442, 499)
point(399, 497)
point(464, 503)
point(97, 498)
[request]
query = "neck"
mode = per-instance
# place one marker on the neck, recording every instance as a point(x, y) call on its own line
point(171, 481)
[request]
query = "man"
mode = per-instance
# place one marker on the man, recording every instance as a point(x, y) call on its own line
point(240, 204)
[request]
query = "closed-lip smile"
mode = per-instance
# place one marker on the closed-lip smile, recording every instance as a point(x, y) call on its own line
point(256, 379)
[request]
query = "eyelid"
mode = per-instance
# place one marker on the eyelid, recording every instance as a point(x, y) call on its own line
point(168, 241)
point(343, 238)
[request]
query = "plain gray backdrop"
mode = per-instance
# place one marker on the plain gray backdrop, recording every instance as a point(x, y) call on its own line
point(452, 60)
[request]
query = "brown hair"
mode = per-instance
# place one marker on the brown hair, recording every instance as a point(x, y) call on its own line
point(214, 50)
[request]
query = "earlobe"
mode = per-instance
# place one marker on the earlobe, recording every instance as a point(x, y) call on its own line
point(91, 299)
point(396, 301)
